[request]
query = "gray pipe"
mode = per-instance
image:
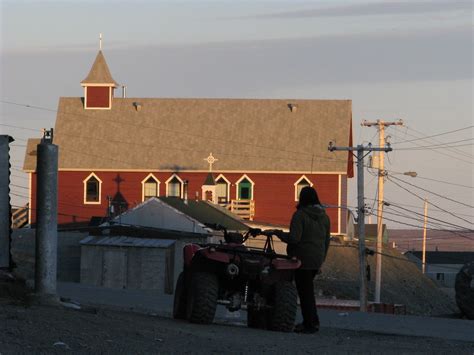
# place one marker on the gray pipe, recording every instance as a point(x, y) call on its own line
point(46, 219)
point(5, 208)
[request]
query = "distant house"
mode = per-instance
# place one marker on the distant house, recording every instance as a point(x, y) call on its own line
point(118, 151)
point(441, 266)
point(370, 232)
point(436, 240)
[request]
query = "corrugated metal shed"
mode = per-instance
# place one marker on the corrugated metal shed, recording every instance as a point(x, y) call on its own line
point(121, 241)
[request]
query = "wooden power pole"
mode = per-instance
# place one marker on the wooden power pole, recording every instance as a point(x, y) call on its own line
point(360, 149)
point(380, 200)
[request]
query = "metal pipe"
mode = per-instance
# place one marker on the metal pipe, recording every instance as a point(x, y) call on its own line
point(47, 220)
point(5, 207)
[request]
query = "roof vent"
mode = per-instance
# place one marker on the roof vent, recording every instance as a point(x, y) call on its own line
point(138, 106)
point(293, 107)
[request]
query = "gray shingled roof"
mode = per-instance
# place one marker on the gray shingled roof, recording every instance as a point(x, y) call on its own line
point(177, 134)
point(99, 73)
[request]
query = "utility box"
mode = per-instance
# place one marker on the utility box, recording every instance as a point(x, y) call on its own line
point(128, 262)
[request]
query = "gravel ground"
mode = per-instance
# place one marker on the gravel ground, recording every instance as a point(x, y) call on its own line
point(51, 330)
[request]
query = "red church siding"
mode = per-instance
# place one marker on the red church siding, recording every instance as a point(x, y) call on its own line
point(98, 96)
point(274, 193)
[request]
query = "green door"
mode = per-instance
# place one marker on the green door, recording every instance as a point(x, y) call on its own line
point(245, 190)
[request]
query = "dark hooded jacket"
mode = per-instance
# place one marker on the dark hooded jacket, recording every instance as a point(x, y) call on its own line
point(309, 235)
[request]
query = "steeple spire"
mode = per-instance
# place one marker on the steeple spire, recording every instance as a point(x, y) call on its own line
point(99, 85)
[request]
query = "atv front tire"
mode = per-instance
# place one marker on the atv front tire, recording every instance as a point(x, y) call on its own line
point(179, 305)
point(202, 298)
point(282, 316)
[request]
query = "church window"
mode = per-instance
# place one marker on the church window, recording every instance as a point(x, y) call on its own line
point(174, 186)
point(300, 184)
point(245, 188)
point(150, 187)
point(92, 189)
point(222, 189)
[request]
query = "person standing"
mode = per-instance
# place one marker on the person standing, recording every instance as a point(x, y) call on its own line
point(308, 240)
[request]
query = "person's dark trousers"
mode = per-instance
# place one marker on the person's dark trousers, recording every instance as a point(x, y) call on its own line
point(304, 285)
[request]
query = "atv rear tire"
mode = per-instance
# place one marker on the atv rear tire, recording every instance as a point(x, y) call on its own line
point(282, 316)
point(179, 305)
point(202, 298)
point(257, 318)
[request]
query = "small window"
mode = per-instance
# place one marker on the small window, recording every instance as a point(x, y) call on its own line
point(222, 187)
point(92, 185)
point(245, 190)
point(174, 187)
point(150, 188)
point(299, 185)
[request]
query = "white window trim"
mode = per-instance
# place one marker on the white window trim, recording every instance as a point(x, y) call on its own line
point(237, 186)
point(84, 182)
point(157, 183)
point(221, 176)
point(303, 177)
point(180, 180)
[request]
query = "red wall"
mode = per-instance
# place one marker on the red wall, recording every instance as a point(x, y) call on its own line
point(98, 96)
point(274, 194)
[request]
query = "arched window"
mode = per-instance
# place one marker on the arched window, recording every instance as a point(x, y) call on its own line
point(174, 186)
point(150, 187)
point(222, 189)
point(92, 189)
point(245, 188)
point(302, 182)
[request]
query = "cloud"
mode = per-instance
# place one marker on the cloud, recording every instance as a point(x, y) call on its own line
point(387, 8)
point(250, 68)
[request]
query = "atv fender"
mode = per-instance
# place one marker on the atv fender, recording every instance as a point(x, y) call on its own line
point(188, 253)
point(286, 264)
point(215, 255)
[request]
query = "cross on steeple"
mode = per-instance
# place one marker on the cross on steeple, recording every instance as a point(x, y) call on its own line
point(210, 160)
point(100, 41)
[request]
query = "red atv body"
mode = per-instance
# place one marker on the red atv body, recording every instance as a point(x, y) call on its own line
point(236, 275)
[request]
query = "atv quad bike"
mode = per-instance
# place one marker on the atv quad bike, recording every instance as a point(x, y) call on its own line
point(233, 274)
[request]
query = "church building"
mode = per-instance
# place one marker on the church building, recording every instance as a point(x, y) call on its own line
point(251, 156)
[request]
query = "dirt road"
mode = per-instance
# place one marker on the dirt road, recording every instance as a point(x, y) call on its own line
point(41, 329)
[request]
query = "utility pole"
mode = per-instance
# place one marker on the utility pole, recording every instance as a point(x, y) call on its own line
point(361, 214)
point(423, 267)
point(47, 219)
point(381, 176)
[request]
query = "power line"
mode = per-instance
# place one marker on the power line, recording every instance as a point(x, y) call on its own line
point(414, 194)
point(435, 135)
point(457, 151)
point(437, 146)
point(431, 192)
point(430, 179)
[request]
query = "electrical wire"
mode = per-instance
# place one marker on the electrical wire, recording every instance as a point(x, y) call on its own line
point(435, 135)
point(434, 193)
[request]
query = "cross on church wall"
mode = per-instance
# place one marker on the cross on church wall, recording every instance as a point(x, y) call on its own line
point(210, 160)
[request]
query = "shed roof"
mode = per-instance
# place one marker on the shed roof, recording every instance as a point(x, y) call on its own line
point(207, 213)
point(176, 134)
point(121, 241)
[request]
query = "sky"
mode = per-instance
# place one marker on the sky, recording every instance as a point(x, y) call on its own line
point(410, 60)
